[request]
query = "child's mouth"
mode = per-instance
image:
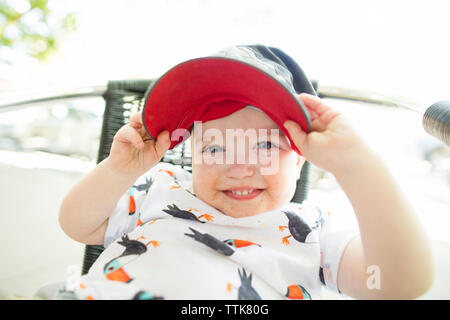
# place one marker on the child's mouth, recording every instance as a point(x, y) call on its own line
point(243, 194)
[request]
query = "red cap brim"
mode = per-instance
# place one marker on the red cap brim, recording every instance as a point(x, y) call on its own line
point(182, 95)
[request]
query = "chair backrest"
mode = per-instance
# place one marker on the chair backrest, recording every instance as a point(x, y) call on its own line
point(125, 97)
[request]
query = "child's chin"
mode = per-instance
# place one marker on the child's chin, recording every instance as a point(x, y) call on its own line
point(241, 213)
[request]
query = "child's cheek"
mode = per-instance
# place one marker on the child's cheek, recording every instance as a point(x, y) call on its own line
point(204, 175)
point(270, 161)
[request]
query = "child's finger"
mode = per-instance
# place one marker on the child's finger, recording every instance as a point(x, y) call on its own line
point(136, 120)
point(321, 123)
point(136, 123)
point(314, 104)
point(127, 134)
point(320, 114)
point(298, 136)
point(162, 143)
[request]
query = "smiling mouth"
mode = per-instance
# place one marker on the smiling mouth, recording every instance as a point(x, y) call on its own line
point(243, 194)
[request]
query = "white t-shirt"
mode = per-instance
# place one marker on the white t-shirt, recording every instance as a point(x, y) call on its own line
point(163, 242)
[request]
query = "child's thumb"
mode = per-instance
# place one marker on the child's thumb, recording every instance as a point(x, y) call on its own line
point(163, 142)
point(297, 134)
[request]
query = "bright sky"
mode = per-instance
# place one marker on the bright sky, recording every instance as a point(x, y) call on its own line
point(396, 47)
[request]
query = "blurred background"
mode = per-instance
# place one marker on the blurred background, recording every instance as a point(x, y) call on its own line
point(71, 49)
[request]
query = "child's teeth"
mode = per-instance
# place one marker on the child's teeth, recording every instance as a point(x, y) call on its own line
point(243, 193)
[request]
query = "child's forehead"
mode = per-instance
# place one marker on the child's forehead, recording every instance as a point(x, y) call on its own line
point(211, 133)
point(248, 120)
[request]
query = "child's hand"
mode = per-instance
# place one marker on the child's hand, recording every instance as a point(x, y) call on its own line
point(332, 144)
point(133, 152)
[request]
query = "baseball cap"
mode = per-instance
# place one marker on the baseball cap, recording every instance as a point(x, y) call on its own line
point(213, 87)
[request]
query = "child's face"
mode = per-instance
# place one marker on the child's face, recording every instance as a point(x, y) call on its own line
point(212, 181)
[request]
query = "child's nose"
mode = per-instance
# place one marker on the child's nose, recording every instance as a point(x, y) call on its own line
point(239, 171)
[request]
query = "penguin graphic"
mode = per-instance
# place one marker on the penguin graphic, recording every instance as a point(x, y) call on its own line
point(321, 276)
point(113, 270)
point(211, 242)
point(298, 228)
point(145, 186)
point(140, 187)
point(297, 292)
point(224, 247)
point(145, 295)
point(246, 291)
point(176, 212)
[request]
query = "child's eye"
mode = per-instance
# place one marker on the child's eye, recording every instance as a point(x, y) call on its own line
point(212, 149)
point(266, 145)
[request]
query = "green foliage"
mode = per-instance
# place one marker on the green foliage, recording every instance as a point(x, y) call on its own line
point(30, 29)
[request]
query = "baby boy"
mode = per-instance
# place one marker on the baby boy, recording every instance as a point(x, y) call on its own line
point(229, 230)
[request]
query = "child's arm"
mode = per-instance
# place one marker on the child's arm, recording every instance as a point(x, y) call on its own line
point(86, 208)
point(391, 236)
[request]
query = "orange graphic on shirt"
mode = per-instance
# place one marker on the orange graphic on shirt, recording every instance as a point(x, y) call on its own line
point(176, 212)
point(152, 242)
point(207, 217)
point(114, 269)
point(237, 243)
point(168, 171)
point(140, 222)
point(132, 206)
point(297, 292)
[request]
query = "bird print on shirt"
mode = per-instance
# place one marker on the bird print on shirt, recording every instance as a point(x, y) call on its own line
point(144, 186)
point(145, 295)
point(114, 269)
point(297, 292)
point(246, 290)
point(132, 202)
point(225, 247)
point(298, 228)
point(176, 212)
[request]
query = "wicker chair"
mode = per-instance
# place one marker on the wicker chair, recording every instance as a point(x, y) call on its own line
point(125, 97)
